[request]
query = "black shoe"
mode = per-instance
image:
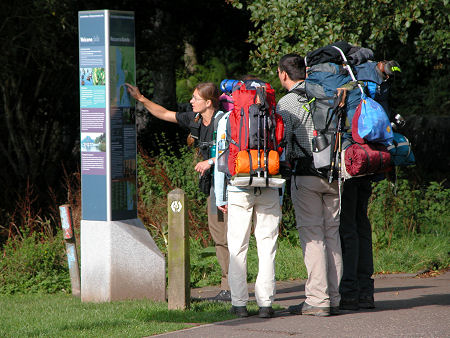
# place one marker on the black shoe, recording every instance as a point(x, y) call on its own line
point(349, 304)
point(240, 311)
point(295, 309)
point(309, 310)
point(334, 310)
point(222, 296)
point(265, 312)
point(366, 302)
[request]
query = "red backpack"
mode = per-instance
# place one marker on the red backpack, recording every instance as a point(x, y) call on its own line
point(255, 132)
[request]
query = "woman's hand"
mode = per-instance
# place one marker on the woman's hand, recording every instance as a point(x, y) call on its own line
point(342, 93)
point(134, 92)
point(202, 166)
point(223, 208)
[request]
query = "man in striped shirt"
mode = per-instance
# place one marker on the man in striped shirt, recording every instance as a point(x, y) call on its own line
point(315, 201)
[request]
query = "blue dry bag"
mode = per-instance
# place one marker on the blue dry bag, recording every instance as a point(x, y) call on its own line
point(401, 153)
point(371, 123)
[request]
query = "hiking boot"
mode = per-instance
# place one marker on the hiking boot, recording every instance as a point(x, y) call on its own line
point(240, 311)
point(309, 310)
point(315, 310)
point(349, 304)
point(265, 312)
point(295, 309)
point(222, 296)
point(366, 302)
point(334, 310)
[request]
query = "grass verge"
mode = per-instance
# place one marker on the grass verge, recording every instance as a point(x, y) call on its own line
point(412, 254)
point(60, 315)
point(409, 254)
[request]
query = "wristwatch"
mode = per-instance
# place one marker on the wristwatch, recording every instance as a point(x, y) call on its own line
point(210, 161)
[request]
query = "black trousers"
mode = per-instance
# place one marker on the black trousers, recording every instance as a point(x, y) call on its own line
point(356, 239)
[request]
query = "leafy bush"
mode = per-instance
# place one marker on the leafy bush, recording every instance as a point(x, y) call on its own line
point(410, 229)
point(412, 253)
point(157, 177)
point(397, 215)
point(212, 71)
point(404, 210)
point(205, 269)
point(34, 263)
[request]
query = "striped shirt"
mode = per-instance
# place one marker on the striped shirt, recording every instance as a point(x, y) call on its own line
point(298, 122)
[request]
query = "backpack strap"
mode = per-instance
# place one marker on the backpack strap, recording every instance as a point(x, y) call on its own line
point(251, 172)
point(304, 151)
point(243, 125)
point(302, 91)
point(194, 127)
point(217, 116)
point(298, 91)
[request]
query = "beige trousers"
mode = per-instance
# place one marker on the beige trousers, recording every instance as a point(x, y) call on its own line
point(316, 205)
point(218, 232)
point(263, 208)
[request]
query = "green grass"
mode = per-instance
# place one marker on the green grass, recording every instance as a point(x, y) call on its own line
point(409, 254)
point(289, 261)
point(60, 315)
point(413, 253)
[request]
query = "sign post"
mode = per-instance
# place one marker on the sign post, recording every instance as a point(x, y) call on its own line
point(178, 265)
point(71, 248)
point(119, 258)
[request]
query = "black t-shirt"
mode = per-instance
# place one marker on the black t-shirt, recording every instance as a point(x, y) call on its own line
point(186, 120)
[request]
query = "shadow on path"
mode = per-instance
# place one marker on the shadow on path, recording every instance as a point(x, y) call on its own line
point(410, 303)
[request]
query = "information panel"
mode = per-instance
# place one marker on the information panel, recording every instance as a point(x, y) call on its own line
point(108, 134)
point(123, 127)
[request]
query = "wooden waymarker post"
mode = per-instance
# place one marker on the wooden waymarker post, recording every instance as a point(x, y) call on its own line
point(179, 291)
point(71, 248)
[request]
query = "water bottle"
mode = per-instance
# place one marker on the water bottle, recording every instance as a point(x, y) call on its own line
point(222, 146)
point(212, 147)
point(319, 141)
point(321, 155)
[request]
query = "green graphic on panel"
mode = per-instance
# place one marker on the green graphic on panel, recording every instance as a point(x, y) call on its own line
point(122, 70)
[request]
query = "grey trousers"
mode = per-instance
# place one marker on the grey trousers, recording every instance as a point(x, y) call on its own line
point(316, 205)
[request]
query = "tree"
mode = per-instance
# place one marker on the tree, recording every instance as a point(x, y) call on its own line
point(39, 95)
point(415, 33)
point(169, 35)
point(387, 26)
point(38, 91)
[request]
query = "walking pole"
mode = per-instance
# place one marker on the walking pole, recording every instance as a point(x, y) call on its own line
point(339, 131)
point(346, 66)
point(258, 98)
point(266, 155)
point(333, 160)
point(337, 109)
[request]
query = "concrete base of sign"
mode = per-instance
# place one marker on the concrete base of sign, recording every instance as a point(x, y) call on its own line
point(120, 260)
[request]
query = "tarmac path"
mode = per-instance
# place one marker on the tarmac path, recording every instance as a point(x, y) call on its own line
point(406, 306)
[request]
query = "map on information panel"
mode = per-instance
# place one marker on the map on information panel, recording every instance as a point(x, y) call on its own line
point(122, 70)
